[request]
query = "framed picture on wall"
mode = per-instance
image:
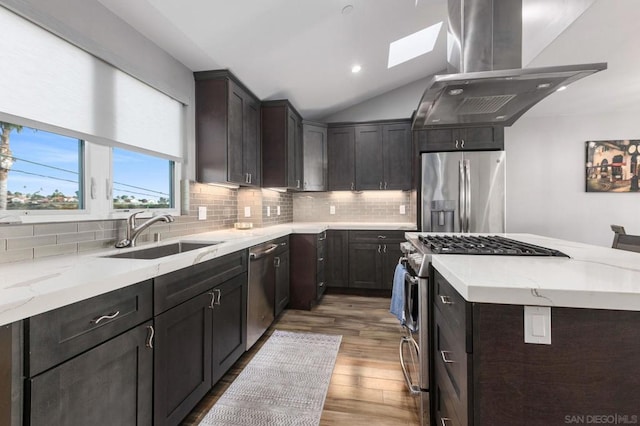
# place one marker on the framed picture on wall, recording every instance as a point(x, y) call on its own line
point(612, 166)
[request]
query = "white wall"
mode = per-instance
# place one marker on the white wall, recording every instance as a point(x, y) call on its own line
point(546, 178)
point(397, 103)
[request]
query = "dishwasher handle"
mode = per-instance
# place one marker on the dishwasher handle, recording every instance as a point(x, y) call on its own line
point(255, 255)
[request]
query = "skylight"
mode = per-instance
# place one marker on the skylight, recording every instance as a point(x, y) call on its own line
point(413, 45)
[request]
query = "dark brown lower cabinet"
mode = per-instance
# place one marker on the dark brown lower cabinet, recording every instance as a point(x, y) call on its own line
point(307, 255)
point(182, 369)
point(484, 373)
point(373, 256)
point(282, 264)
point(229, 325)
point(111, 384)
point(337, 258)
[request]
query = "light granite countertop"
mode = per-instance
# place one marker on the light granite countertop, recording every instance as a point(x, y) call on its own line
point(31, 287)
point(593, 277)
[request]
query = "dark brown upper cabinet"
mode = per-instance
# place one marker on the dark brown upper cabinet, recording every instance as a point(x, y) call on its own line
point(227, 130)
point(341, 158)
point(281, 145)
point(314, 149)
point(383, 156)
point(464, 139)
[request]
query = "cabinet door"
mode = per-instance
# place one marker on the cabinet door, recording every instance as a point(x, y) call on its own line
point(365, 265)
point(369, 158)
point(229, 324)
point(182, 367)
point(304, 273)
point(235, 135)
point(110, 384)
point(294, 148)
point(397, 156)
point(337, 259)
point(482, 138)
point(281, 263)
point(341, 158)
point(251, 141)
point(314, 149)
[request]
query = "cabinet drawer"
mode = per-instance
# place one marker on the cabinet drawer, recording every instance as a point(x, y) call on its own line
point(452, 366)
point(176, 287)
point(454, 309)
point(376, 236)
point(55, 336)
point(446, 402)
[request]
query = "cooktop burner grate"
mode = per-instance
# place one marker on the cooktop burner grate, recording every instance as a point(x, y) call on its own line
point(491, 245)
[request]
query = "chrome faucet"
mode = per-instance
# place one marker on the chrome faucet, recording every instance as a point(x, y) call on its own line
point(133, 231)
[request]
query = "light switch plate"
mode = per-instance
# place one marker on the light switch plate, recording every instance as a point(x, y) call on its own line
point(247, 211)
point(202, 213)
point(537, 325)
point(403, 209)
point(332, 209)
point(278, 210)
point(268, 211)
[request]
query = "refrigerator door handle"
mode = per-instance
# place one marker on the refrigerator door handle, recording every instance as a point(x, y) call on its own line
point(467, 213)
point(461, 195)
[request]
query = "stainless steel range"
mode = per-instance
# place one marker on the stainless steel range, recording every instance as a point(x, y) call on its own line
point(416, 341)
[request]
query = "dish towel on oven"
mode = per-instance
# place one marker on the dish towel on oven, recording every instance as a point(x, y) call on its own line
point(397, 294)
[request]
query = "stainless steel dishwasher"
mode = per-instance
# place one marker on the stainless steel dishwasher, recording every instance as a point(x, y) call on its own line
point(261, 294)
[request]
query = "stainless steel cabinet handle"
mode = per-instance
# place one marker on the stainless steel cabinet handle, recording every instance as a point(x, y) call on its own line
point(444, 355)
point(352, 186)
point(322, 236)
point(152, 333)
point(321, 259)
point(380, 185)
point(321, 284)
point(384, 249)
point(298, 184)
point(106, 317)
point(462, 143)
point(446, 300)
point(213, 299)
point(382, 237)
point(385, 185)
point(444, 420)
point(456, 143)
point(379, 248)
point(218, 294)
point(276, 262)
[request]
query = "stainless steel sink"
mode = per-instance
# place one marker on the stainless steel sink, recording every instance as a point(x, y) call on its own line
point(162, 251)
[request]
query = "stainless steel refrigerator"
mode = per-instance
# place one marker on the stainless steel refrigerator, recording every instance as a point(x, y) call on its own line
point(463, 191)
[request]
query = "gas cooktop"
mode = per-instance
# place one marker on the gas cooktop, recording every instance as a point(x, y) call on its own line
point(490, 245)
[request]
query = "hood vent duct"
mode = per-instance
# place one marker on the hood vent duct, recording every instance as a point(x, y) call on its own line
point(487, 85)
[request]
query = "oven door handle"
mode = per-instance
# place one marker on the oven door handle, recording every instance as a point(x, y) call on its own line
point(412, 280)
point(413, 389)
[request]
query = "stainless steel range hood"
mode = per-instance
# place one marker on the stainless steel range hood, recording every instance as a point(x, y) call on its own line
point(486, 85)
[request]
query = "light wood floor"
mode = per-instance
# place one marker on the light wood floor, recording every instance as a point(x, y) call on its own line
point(367, 386)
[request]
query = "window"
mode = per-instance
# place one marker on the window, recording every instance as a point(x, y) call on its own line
point(142, 181)
point(39, 170)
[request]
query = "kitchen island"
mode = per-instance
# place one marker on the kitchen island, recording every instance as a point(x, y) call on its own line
point(581, 315)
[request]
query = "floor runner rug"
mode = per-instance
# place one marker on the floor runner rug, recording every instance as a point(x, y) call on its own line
point(285, 383)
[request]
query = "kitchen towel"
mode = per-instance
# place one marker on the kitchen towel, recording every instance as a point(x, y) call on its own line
point(397, 294)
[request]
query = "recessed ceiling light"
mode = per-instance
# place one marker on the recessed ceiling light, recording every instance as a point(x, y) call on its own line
point(543, 86)
point(356, 69)
point(561, 88)
point(455, 92)
point(413, 45)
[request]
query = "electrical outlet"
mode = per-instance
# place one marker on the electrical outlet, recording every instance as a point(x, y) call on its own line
point(403, 209)
point(278, 210)
point(268, 211)
point(332, 209)
point(247, 211)
point(202, 213)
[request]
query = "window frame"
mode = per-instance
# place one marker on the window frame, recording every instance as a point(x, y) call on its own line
point(95, 185)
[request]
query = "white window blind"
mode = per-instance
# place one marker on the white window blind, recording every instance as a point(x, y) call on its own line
point(49, 80)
